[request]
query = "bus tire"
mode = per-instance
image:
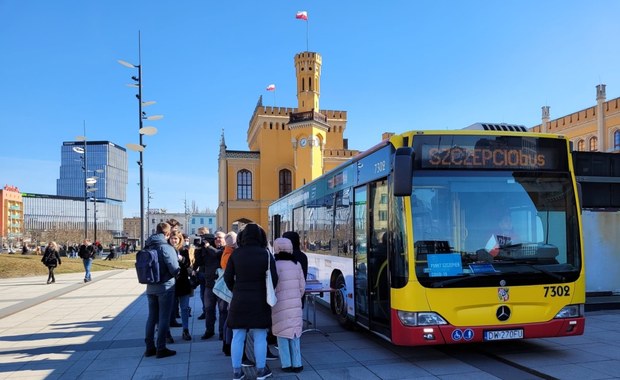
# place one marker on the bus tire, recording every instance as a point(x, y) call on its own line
point(339, 302)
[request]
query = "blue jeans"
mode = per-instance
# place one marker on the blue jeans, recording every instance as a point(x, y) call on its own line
point(260, 347)
point(184, 304)
point(87, 264)
point(290, 352)
point(159, 315)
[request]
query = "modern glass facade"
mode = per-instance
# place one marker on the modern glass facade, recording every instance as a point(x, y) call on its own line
point(104, 160)
point(46, 212)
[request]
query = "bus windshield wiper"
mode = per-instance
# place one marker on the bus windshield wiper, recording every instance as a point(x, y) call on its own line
point(528, 263)
point(452, 281)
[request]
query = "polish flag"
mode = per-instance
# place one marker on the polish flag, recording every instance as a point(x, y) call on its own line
point(271, 87)
point(302, 15)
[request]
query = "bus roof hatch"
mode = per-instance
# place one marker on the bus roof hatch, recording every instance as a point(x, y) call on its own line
point(497, 127)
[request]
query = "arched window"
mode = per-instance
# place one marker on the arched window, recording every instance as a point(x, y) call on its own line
point(594, 144)
point(286, 182)
point(581, 145)
point(244, 184)
point(310, 84)
point(617, 140)
point(303, 84)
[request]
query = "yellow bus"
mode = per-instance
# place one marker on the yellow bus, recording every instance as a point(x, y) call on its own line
point(445, 237)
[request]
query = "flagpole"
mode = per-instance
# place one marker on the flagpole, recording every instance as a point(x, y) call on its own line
point(274, 99)
point(307, 33)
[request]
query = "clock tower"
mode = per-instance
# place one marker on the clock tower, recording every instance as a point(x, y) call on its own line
point(308, 125)
point(287, 148)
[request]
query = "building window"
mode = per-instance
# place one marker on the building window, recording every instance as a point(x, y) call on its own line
point(581, 145)
point(286, 182)
point(617, 140)
point(594, 144)
point(202, 220)
point(244, 184)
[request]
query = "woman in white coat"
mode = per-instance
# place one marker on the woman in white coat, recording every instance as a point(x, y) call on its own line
point(286, 315)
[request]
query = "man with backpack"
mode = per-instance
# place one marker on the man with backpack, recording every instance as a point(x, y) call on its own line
point(159, 289)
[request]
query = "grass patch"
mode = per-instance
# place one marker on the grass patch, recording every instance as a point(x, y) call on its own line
point(18, 265)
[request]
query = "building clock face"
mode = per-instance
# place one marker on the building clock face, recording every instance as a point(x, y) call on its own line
point(303, 142)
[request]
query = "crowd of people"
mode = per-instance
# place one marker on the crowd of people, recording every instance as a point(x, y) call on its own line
point(248, 320)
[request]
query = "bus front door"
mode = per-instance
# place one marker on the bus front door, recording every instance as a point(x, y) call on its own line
point(370, 259)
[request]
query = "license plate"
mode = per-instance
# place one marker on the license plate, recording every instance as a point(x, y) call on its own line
point(503, 334)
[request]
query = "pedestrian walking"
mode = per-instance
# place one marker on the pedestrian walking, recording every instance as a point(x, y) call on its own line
point(51, 259)
point(87, 253)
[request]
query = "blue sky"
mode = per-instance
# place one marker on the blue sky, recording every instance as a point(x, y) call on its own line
point(393, 65)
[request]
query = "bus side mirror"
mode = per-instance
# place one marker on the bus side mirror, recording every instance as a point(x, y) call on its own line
point(403, 171)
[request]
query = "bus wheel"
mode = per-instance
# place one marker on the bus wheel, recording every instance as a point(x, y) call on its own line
point(339, 302)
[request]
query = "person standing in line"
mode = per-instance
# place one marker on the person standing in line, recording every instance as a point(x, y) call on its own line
point(51, 259)
point(198, 269)
point(87, 254)
point(183, 289)
point(161, 295)
point(249, 310)
point(286, 315)
point(299, 255)
point(213, 256)
point(231, 244)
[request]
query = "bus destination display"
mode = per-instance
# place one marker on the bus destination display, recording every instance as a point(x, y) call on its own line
point(489, 153)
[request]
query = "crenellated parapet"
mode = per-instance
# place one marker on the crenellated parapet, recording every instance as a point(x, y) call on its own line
point(341, 153)
point(582, 116)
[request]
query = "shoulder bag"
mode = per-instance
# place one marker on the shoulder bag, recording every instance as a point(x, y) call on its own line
point(271, 292)
point(220, 289)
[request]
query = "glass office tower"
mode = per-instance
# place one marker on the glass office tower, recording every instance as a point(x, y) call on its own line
point(104, 160)
point(48, 212)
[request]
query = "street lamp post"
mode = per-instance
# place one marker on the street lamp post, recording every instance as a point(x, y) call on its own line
point(141, 130)
point(82, 152)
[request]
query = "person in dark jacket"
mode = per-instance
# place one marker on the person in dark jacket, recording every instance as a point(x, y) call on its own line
point(248, 310)
point(212, 253)
point(51, 259)
point(87, 253)
point(299, 256)
point(183, 288)
point(161, 295)
point(198, 267)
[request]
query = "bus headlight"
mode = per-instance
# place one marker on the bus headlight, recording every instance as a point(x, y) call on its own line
point(571, 311)
point(409, 318)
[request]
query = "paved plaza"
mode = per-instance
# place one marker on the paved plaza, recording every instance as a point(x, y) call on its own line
point(73, 330)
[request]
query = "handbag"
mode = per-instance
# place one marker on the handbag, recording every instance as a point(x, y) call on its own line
point(271, 292)
point(220, 289)
point(193, 281)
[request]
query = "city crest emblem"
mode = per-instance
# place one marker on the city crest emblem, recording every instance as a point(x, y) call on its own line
point(502, 294)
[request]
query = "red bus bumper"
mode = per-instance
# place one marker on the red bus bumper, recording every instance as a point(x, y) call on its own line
point(447, 334)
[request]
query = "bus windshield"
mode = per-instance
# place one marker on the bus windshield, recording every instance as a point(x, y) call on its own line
point(469, 227)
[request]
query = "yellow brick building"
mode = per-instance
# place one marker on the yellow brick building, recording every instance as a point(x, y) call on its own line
point(594, 129)
point(288, 147)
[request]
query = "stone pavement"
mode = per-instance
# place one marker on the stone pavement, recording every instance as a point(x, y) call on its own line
point(73, 330)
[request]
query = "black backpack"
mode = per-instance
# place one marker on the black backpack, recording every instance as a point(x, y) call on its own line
point(51, 259)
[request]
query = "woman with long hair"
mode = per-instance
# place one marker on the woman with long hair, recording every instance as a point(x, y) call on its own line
point(183, 288)
point(51, 259)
